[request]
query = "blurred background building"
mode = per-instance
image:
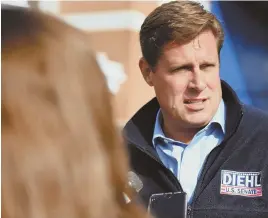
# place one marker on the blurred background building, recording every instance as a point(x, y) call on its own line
point(113, 28)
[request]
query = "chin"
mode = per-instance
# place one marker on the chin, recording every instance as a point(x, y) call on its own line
point(197, 122)
point(199, 119)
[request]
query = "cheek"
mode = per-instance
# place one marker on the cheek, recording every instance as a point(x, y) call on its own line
point(214, 82)
point(170, 85)
point(178, 85)
point(170, 88)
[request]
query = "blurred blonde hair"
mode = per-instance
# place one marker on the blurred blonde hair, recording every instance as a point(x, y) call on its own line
point(61, 154)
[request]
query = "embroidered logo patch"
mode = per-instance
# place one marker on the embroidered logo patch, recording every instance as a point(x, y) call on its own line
point(246, 184)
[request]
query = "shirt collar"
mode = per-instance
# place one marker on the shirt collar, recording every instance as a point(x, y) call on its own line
point(218, 118)
point(158, 131)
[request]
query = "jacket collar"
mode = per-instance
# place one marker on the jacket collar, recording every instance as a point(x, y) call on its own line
point(139, 129)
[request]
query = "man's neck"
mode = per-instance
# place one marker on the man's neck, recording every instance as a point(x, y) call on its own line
point(177, 132)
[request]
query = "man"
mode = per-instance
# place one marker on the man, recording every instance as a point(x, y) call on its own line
point(196, 136)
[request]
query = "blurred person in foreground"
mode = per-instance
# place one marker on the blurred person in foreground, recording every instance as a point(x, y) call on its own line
point(61, 154)
point(196, 136)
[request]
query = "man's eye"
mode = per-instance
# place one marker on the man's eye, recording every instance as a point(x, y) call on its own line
point(206, 66)
point(181, 69)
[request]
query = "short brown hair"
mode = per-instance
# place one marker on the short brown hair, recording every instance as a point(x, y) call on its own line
point(179, 21)
point(61, 152)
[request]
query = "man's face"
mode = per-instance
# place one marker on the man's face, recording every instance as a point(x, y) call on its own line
point(187, 82)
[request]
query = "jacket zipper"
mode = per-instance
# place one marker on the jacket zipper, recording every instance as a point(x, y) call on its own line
point(189, 210)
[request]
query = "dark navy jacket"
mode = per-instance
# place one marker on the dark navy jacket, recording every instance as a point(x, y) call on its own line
point(243, 150)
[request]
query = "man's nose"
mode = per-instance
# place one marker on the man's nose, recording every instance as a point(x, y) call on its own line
point(197, 81)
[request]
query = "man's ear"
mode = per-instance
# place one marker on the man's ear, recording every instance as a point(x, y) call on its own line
point(146, 71)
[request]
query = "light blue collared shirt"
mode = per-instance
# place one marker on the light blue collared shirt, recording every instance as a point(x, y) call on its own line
point(186, 161)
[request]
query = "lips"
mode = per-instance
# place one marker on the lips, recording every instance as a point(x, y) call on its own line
point(195, 104)
point(194, 101)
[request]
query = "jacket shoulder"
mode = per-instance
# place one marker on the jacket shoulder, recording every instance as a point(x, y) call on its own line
point(254, 113)
point(255, 116)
